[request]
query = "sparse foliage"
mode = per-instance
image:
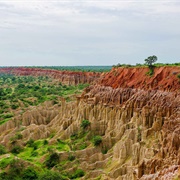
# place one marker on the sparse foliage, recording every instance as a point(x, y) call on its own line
point(2, 150)
point(52, 160)
point(85, 123)
point(150, 60)
point(97, 140)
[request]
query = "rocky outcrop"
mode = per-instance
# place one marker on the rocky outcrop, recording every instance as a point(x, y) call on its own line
point(164, 78)
point(66, 77)
point(141, 134)
point(139, 126)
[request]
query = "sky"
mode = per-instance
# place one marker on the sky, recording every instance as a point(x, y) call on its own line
point(88, 32)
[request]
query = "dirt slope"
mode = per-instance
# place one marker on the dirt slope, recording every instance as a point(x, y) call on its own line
point(164, 78)
point(66, 77)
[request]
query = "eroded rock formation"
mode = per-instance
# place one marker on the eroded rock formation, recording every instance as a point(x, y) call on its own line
point(139, 121)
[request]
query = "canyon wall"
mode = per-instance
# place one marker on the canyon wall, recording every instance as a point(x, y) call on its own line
point(65, 77)
point(164, 78)
point(137, 116)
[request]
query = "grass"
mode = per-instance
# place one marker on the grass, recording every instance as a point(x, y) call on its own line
point(39, 149)
point(4, 121)
point(4, 162)
point(79, 141)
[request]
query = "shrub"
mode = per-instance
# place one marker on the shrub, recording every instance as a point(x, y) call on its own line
point(97, 140)
point(30, 143)
point(29, 174)
point(150, 72)
point(14, 106)
point(16, 168)
point(104, 150)
point(77, 174)
point(178, 76)
point(3, 175)
point(50, 175)
point(74, 136)
point(9, 115)
point(16, 150)
point(18, 136)
point(2, 150)
point(71, 157)
point(52, 160)
point(34, 153)
point(45, 142)
point(85, 124)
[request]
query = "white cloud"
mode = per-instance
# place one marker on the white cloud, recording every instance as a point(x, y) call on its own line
point(87, 30)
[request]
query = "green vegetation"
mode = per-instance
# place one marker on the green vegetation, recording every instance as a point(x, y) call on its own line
point(145, 65)
point(16, 149)
point(71, 157)
point(50, 175)
point(78, 68)
point(29, 174)
point(77, 174)
point(150, 61)
point(79, 140)
point(2, 149)
point(20, 92)
point(32, 153)
point(52, 160)
point(85, 123)
point(150, 72)
point(97, 140)
point(4, 162)
point(178, 76)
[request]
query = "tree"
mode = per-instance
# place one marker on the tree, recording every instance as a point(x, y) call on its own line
point(150, 60)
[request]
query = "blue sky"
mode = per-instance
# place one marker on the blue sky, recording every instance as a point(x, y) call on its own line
point(88, 32)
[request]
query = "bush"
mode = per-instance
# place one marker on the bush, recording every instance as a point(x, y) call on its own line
point(3, 175)
point(52, 160)
point(9, 115)
point(34, 154)
point(45, 142)
point(29, 174)
point(16, 168)
point(14, 106)
point(104, 150)
point(150, 72)
point(50, 175)
point(2, 150)
point(97, 140)
point(16, 150)
point(178, 76)
point(18, 136)
point(71, 157)
point(74, 136)
point(30, 143)
point(85, 124)
point(78, 173)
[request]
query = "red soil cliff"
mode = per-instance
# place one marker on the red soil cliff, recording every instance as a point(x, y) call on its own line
point(164, 78)
point(66, 77)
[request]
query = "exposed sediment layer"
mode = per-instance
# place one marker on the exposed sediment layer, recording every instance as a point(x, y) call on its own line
point(66, 77)
point(140, 126)
point(141, 135)
point(164, 78)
